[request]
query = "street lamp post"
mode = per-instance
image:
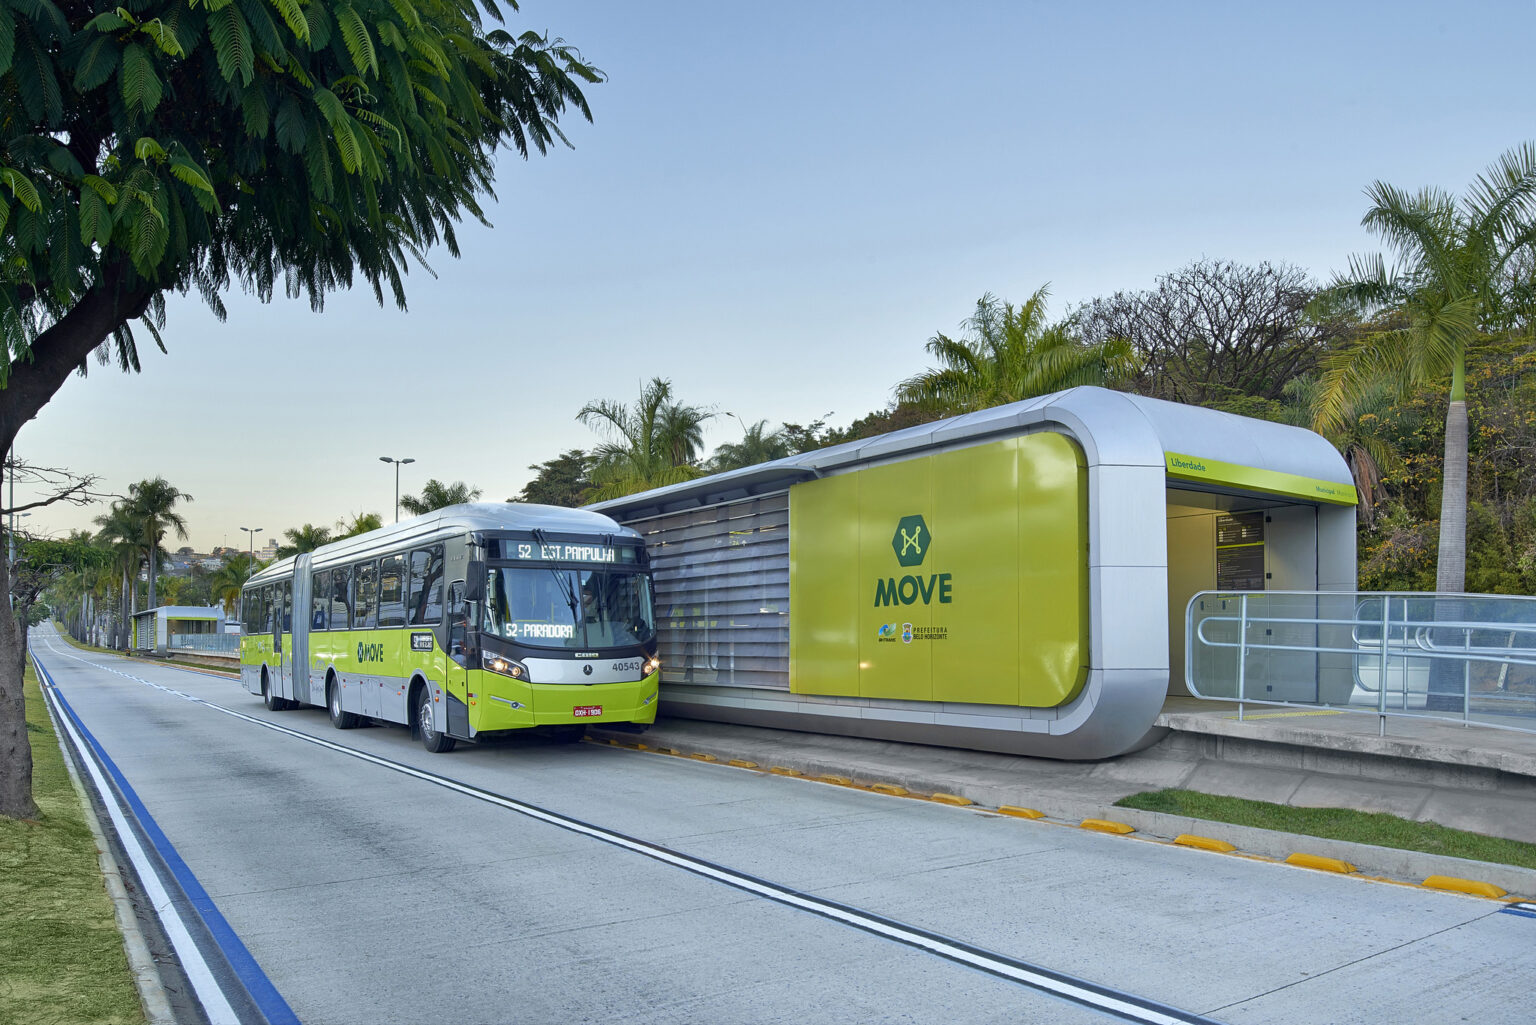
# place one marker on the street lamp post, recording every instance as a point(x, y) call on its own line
point(398, 463)
point(251, 546)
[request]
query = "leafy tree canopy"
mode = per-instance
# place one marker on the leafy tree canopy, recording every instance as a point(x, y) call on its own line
point(303, 539)
point(652, 444)
point(562, 480)
point(191, 144)
point(437, 495)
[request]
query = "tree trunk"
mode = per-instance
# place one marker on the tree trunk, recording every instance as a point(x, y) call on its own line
point(35, 377)
point(15, 751)
point(1447, 679)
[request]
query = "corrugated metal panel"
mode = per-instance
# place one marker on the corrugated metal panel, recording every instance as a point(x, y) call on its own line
point(722, 591)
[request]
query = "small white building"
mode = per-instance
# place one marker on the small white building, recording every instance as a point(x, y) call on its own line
point(179, 628)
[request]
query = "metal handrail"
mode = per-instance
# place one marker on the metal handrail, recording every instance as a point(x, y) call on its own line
point(1412, 641)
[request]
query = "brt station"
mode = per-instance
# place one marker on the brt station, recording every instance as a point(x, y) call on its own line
point(1022, 579)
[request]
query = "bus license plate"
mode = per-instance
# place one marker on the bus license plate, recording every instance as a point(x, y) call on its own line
point(581, 711)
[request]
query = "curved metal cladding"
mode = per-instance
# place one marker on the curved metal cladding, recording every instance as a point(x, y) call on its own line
point(997, 581)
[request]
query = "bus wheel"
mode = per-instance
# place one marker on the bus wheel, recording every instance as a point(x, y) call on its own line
point(432, 738)
point(272, 701)
point(339, 719)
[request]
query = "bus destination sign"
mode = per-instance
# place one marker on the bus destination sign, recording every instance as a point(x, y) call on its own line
point(566, 551)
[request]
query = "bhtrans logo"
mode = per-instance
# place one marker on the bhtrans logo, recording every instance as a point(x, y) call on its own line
point(911, 542)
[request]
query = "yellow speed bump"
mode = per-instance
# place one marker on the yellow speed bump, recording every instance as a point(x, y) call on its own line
point(1106, 826)
point(703, 757)
point(835, 780)
point(1320, 863)
point(780, 770)
point(1019, 813)
point(954, 799)
point(889, 788)
point(1203, 843)
point(742, 763)
point(667, 751)
point(1475, 887)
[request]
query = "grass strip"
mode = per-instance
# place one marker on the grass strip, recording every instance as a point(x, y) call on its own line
point(62, 956)
point(1375, 828)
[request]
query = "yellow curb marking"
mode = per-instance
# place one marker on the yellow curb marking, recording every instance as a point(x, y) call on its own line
point(742, 763)
point(1019, 813)
point(890, 789)
point(1203, 843)
point(1475, 887)
point(1320, 863)
point(954, 799)
point(1106, 826)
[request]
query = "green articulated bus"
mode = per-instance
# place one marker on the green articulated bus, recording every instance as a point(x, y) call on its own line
point(470, 621)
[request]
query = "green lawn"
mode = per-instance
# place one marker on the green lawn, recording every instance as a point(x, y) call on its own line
point(1337, 824)
point(62, 956)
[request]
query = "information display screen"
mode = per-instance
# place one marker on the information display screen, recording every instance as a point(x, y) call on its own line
point(568, 551)
point(1240, 552)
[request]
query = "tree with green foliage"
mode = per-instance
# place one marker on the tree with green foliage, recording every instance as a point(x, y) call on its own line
point(757, 445)
point(437, 495)
point(562, 480)
point(119, 534)
point(152, 507)
point(173, 146)
point(303, 539)
point(1009, 353)
point(360, 523)
point(228, 580)
point(1453, 284)
point(650, 446)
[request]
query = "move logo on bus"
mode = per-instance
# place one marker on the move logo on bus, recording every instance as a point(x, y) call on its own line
point(911, 542)
point(370, 652)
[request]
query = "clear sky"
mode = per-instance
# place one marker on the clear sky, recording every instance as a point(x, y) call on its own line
point(778, 203)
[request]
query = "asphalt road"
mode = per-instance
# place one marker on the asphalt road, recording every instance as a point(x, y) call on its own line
point(370, 895)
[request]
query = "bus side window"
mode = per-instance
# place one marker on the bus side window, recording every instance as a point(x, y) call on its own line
point(392, 591)
point(320, 596)
point(365, 611)
point(458, 621)
point(341, 598)
point(426, 586)
point(287, 600)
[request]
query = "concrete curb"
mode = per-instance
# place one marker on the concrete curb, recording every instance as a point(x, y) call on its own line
point(141, 963)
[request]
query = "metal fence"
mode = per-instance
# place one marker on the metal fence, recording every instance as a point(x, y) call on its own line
point(1467, 657)
point(213, 644)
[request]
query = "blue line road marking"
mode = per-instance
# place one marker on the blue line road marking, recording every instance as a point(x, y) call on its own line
point(269, 1002)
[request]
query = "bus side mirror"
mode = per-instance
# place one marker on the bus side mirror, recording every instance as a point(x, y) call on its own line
point(474, 581)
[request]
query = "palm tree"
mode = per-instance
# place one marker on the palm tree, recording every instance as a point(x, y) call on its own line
point(1368, 455)
point(121, 535)
point(1456, 279)
point(303, 539)
point(152, 506)
point(1011, 353)
point(230, 578)
point(437, 495)
point(360, 523)
point(650, 446)
point(757, 445)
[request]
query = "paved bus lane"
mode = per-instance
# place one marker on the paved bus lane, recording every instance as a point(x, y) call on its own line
point(369, 895)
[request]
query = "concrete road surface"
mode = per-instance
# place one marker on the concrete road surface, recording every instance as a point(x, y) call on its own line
point(532, 882)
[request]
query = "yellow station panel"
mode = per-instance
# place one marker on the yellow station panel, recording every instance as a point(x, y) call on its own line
point(960, 576)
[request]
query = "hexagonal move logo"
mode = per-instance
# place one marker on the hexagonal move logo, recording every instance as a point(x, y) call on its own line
point(911, 540)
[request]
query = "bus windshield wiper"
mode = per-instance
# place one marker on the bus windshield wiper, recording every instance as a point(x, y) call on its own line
point(560, 575)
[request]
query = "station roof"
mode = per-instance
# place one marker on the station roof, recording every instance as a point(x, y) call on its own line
point(1113, 428)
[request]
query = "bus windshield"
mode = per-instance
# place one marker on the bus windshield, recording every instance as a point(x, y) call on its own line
point(570, 608)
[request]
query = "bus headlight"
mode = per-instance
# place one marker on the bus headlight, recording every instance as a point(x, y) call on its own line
point(651, 665)
point(503, 666)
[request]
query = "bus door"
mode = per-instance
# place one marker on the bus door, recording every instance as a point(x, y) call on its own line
point(463, 635)
point(282, 617)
